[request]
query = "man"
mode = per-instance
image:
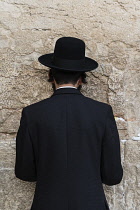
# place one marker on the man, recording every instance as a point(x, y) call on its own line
point(68, 143)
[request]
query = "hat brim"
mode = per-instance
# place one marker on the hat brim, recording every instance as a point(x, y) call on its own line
point(46, 60)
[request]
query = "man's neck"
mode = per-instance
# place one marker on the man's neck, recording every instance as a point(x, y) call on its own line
point(66, 86)
point(55, 87)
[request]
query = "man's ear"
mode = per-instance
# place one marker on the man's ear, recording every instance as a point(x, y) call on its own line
point(80, 81)
point(53, 80)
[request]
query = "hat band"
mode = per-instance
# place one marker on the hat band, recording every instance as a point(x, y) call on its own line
point(66, 63)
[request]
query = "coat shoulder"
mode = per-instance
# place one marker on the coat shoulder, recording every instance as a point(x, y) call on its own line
point(37, 105)
point(97, 103)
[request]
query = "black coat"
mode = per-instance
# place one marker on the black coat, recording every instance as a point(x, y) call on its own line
point(69, 144)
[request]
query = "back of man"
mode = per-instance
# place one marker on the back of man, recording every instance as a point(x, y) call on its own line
point(76, 149)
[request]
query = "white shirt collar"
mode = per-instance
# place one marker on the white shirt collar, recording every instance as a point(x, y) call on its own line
point(66, 87)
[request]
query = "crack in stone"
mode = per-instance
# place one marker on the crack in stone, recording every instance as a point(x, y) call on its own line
point(37, 29)
point(8, 133)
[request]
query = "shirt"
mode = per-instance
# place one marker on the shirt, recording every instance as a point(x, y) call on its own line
point(66, 86)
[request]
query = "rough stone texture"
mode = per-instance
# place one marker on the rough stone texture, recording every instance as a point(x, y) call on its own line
point(110, 29)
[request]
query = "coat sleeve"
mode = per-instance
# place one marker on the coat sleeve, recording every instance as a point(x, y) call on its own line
point(111, 167)
point(25, 160)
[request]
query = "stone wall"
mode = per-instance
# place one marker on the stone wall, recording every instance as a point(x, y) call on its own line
point(111, 31)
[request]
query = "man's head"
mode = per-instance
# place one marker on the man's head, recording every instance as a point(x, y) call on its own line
point(68, 63)
point(62, 78)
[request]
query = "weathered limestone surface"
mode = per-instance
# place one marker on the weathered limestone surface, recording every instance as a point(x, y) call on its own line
point(111, 31)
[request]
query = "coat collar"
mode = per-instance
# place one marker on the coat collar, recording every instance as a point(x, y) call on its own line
point(66, 91)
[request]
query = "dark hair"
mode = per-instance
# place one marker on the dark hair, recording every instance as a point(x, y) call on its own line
point(65, 77)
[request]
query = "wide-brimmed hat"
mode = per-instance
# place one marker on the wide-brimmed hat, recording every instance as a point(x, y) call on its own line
point(69, 54)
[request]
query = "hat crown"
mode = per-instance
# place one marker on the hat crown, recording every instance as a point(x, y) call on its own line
point(70, 48)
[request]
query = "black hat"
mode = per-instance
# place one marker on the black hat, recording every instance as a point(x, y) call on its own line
point(69, 54)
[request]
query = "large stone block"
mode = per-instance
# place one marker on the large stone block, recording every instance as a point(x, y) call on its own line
point(15, 193)
point(131, 177)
